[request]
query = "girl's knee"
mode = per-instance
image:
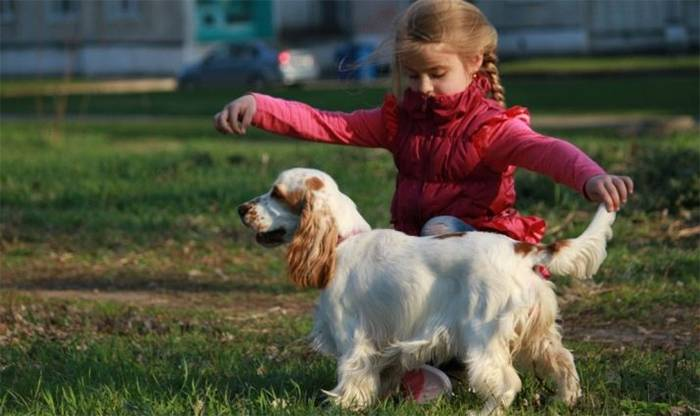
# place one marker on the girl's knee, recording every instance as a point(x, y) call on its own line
point(445, 224)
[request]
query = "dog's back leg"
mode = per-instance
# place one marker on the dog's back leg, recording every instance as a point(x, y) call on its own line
point(550, 359)
point(492, 376)
point(541, 348)
point(390, 380)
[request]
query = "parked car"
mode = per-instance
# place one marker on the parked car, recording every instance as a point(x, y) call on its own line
point(252, 64)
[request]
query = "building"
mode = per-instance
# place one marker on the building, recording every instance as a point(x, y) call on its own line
point(156, 37)
point(580, 27)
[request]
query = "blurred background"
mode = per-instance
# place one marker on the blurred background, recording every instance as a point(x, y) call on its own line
point(214, 42)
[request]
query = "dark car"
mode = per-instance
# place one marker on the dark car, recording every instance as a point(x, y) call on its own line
point(249, 64)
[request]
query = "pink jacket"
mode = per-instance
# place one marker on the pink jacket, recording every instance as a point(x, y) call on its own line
point(455, 155)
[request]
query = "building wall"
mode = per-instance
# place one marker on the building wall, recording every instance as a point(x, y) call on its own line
point(553, 27)
point(96, 40)
point(159, 36)
point(376, 20)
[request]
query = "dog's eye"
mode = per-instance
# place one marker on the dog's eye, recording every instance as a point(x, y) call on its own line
point(277, 193)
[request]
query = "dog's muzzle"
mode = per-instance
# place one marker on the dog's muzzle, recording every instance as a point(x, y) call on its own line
point(243, 210)
point(266, 238)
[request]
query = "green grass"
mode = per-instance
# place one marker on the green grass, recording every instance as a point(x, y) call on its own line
point(128, 285)
point(600, 64)
point(113, 359)
point(576, 65)
point(673, 93)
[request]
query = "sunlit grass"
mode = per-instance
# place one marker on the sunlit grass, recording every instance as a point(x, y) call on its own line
point(586, 64)
point(81, 357)
point(620, 93)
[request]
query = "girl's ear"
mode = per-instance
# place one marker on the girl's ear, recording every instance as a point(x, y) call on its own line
point(473, 63)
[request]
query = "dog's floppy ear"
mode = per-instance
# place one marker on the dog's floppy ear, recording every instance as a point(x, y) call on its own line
point(311, 254)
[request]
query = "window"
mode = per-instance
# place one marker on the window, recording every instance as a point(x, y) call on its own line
point(122, 9)
point(8, 11)
point(63, 10)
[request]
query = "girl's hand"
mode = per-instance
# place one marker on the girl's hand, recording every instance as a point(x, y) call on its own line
point(609, 189)
point(236, 116)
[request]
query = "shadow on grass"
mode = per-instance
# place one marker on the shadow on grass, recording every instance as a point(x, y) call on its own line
point(137, 281)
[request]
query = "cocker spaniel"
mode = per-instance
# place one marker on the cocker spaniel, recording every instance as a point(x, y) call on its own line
point(390, 302)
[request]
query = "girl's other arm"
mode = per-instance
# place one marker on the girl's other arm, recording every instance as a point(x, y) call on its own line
point(613, 190)
point(517, 144)
point(290, 118)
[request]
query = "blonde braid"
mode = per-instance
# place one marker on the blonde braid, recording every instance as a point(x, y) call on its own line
point(489, 66)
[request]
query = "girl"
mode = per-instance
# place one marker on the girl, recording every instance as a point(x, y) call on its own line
point(455, 145)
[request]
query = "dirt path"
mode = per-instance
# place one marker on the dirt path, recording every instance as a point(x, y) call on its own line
point(116, 86)
point(675, 328)
point(232, 303)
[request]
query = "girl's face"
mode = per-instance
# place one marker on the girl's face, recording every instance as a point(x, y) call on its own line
point(435, 69)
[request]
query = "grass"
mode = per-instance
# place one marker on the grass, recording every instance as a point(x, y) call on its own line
point(576, 65)
point(113, 359)
point(600, 64)
point(128, 285)
point(673, 93)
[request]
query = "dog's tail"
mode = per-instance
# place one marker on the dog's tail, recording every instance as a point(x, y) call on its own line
point(582, 256)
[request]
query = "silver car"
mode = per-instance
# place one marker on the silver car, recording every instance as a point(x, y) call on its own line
point(249, 64)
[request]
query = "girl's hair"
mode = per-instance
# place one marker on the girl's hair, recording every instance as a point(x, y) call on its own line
point(454, 22)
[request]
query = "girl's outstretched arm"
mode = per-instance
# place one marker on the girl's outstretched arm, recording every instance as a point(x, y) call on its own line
point(290, 118)
point(515, 143)
point(236, 116)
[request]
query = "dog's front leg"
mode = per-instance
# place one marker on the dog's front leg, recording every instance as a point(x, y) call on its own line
point(358, 378)
point(390, 379)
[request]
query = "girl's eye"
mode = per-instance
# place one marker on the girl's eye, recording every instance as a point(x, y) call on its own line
point(438, 76)
point(412, 76)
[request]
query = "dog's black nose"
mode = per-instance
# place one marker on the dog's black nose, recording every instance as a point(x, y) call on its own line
point(243, 209)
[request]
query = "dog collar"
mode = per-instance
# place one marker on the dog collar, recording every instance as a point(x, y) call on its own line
point(352, 234)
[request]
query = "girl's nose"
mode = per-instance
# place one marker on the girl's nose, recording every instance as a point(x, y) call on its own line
point(425, 86)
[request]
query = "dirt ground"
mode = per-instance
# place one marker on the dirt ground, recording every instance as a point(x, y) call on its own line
point(664, 328)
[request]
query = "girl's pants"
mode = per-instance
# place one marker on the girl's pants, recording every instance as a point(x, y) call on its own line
point(444, 224)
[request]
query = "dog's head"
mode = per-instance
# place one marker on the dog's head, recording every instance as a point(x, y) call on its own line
point(276, 215)
point(297, 210)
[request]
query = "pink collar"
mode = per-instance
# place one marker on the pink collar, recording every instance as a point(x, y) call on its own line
point(352, 233)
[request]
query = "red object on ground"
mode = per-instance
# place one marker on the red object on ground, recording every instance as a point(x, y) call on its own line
point(425, 384)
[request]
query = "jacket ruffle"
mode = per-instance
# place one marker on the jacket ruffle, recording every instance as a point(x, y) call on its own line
point(390, 115)
point(484, 136)
point(529, 229)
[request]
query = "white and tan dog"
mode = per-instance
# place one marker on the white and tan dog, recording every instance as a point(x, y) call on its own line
point(391, 302)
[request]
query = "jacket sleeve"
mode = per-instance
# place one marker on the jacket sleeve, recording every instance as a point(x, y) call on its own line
point(290, 118)
point(515, 143)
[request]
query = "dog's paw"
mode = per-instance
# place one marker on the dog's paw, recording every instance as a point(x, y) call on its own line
point(486, 412)
point(349, 400)
point(570, 393)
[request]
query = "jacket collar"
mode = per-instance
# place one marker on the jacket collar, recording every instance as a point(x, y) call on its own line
point(444, 108)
